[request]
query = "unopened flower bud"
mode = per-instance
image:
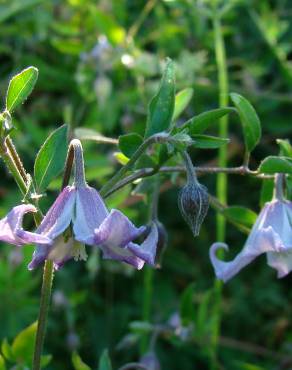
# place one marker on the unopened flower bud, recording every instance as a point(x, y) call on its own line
point(193, 202)
point(150, 360)
point(193, 199)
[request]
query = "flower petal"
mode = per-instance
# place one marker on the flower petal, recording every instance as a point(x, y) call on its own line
point(11, 230)
point(265, 240)
point(123, 255)
point(116, 230)
point(147, 250)
point(281, 261)
point(59, 215)
point(90, 213)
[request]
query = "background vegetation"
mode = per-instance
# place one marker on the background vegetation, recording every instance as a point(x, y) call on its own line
point(100, 62)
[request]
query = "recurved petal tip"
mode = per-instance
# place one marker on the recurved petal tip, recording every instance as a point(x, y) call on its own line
point(147, 250)
point(11, 230)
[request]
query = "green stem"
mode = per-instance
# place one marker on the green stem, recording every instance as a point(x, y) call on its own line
point(158, 138)
point(147, 299)
point(221, 188)
point(43, 313)
point(149, 271)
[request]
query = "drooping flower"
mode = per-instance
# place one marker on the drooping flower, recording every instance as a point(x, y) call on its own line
point(79, 216)
point(271, 234)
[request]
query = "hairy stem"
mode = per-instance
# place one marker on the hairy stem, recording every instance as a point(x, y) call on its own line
point(158, 138)
point(43, 313)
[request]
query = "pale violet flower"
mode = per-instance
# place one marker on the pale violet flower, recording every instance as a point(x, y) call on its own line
point(79, 216)
point(271, 234)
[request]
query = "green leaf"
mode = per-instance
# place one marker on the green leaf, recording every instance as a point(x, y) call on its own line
point(240, 215)
point(45, 360)
point(273, 164)
point(82, 133)
point(249, 119)
point(51, 158)
point(129, 143)
point(182, 100)
point(162, 105)
point(20, 86)
point(201, 122)
point(187, 307)
point(7, 350)
point(23, 345)
point(104, 361)
point(77, 362)
point(145, 161)
point(285, 147)
point(208, 142)
point(2, 363)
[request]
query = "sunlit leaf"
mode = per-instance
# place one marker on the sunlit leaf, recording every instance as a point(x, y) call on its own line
point(77, 362)
point(182, 100)
point(23, 345)
point(51, 158)
point(20, 86)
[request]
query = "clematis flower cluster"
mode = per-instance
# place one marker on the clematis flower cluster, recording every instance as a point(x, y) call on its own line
point(271, 234)
point(79, 216)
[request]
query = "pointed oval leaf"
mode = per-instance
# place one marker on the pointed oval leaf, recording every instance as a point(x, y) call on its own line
point(202, 121)
point(240, 215)
point(104, 361)
point(20, 86)
point(249, 119)
point(51, 158)
point(2, 363)
point(7, 350)
point(182, 99)
point(78, 363)
point(208, 142)
point(23, 345)
point(129, 143)
point(285, 147)
point(273, 164)
point(161, 106)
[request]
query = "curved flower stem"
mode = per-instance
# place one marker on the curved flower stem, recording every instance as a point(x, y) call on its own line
point(157, 138)
point(43, 313)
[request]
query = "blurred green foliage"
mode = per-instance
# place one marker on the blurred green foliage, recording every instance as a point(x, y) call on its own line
point(100, 63)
